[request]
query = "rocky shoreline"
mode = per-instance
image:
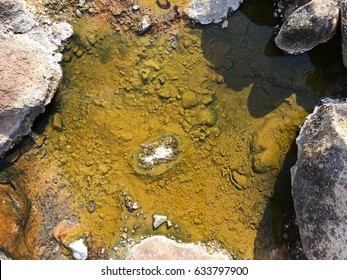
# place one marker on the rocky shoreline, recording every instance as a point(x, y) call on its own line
point(30, 66)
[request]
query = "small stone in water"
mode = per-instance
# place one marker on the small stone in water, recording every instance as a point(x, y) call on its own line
point(146, 23)
point(158, 220)
point(164, 94)
point(158, 155)
point(168, 224)
point(197, 221)
point(57, 122)
point(189, 100)
point(79, 250)
point(207, 117)
point(91, 207)
point(135, 205)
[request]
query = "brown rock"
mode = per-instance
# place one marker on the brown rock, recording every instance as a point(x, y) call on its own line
point(64, 231)
point(14, 213)
point(42, 250)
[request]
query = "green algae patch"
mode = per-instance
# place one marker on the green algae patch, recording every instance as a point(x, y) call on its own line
point(157, 155)
point(120, 89)
point(125, 89)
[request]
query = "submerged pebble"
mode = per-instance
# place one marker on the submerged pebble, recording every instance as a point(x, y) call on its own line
point(207, 117)
point(158, 220)
point(189, 100)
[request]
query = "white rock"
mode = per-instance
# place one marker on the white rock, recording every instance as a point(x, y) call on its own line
point(135, 206)
point(163, 248)
point(145, 24)
point(29, 67)
point(208, 11)
point(14, 15)
point(158, 220)
point(79, 249)
point(168, 224)
point(160, 152)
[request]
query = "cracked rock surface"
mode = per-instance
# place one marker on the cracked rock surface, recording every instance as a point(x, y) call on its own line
point(29, 69)
point(319, 182)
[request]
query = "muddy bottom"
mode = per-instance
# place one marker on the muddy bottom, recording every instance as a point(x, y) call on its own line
point(231, 98)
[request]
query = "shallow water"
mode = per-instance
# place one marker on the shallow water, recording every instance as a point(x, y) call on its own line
point(113, 101)
point(120, 90)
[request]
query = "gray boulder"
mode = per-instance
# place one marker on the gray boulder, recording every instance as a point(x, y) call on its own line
point(29, 67)
point(311, 24)
point(211, 11)
point(15, 15)
point(319, 182)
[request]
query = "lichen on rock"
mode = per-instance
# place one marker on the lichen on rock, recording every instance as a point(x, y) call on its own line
point(319, 181)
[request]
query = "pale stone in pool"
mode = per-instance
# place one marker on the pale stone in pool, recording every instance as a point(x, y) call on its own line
point(79, 249)
point(157, 155)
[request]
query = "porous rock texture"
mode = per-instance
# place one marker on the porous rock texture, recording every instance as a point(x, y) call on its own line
point(319, 182)
point(29, 69)
point(211, 11)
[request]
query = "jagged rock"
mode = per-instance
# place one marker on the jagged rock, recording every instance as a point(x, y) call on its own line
point(15, 16)
point(30, 70)
point(208, 11)
point(145, 25)
point(319, 182)
point(158, 220)
point(79, 249)
point(71, 236)
point(162, 248)
point(311, 24)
